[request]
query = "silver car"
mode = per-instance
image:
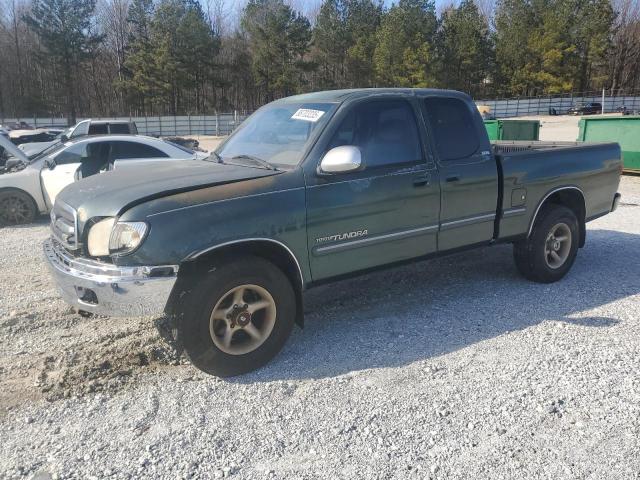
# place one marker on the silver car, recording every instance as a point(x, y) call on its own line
point(29, 186)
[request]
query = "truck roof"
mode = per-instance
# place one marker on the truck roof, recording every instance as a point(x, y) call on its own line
point(342, 95)
point(97, 122)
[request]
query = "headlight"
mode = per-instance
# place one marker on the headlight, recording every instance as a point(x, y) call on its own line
point(107, 237)
point(98, 239)
point(126, 237)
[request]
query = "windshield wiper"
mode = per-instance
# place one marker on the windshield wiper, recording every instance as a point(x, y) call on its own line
point(257, 160)
point(217, 157)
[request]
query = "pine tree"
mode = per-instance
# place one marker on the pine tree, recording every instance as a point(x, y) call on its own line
point(405, 53)
point(331, 40)
point(465, 50)
point(64, 28)
point(362, 21)
point(278, 39)
point(171, 54)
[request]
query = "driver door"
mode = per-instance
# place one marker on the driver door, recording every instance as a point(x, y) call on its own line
point(385, 213)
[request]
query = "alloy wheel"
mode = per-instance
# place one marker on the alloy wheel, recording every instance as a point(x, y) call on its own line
point(558, 245)
point(242, 319)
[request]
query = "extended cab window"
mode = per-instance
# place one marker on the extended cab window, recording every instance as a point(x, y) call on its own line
point(98, 129)
point(125, 150)
point(120, 128)
point(453, 127)
point(384, 130)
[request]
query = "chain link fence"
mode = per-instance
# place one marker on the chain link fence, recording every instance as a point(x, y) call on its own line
point(559, 104)
point(222, 124)
point(218, 124)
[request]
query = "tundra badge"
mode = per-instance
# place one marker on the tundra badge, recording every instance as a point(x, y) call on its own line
point(343, 236)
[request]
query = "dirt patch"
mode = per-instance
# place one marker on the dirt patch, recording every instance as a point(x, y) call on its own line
point(107, 365)
point(95, 354)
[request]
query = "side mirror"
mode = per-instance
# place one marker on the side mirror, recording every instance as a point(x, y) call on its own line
point(342, 160)
point(12, 163)
point(49, 164)
point(63, 138)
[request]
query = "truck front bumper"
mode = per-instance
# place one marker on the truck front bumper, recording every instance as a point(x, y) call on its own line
point(107, 289)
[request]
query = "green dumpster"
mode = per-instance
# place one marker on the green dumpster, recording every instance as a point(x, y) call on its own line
point(513, 129)
point(625, 130)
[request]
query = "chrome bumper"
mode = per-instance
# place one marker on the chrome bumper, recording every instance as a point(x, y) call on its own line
point(107, 289)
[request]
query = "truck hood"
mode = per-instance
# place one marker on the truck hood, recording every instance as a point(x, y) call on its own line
point(111, 193)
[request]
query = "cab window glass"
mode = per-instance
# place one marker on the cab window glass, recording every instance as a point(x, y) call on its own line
point(385, 131)
point(119, 128)
point(98, 129)
point(453, 127)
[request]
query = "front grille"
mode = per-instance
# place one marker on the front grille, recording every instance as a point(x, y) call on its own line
point(64, 225)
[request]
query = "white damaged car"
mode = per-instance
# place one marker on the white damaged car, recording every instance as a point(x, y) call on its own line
point(28, 187)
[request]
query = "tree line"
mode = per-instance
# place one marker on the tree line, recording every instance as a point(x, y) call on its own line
point(168, 57)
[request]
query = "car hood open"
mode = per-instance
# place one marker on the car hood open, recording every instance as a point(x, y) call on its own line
point(111, 193)
point(12, 149)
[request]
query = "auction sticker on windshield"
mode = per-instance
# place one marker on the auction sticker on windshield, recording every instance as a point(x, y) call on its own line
point(307, 115)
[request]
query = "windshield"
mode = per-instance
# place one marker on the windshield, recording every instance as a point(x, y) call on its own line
point(277, 133)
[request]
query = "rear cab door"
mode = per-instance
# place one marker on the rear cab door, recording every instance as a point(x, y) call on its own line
point(387, 211)
point(469, 182)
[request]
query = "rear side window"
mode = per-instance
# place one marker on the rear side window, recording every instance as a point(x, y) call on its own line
point(126, 150)
point(385, 131)
point(119, 128)
point(453, 127)
point(98, 129)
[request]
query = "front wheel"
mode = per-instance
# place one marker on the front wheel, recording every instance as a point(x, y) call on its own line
point(16, 208)
point(238, 317)
point(549, 252)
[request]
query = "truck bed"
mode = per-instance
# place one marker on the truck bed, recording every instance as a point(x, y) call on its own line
point(535, 169)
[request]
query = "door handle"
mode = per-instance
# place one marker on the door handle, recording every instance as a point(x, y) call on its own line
point(422, 180)
point(452, 178)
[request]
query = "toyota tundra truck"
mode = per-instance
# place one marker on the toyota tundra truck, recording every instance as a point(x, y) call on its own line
point(311, 189)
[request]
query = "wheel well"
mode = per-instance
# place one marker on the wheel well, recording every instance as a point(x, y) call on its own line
point(33, 200)
point(14, 189)
point(274, 252)
point(573, 199)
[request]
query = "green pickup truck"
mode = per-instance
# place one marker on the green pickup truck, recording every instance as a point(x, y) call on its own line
point(311, 189)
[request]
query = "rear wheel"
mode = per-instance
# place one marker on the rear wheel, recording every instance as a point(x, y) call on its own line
point(238, 316)
point(16, 208)
point(549, 252)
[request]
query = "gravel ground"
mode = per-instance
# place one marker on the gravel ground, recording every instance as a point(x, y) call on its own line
point(453, 368)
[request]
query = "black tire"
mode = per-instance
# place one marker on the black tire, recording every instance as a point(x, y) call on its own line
point(530, 254)
point(194, 313)
point(16, 208)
